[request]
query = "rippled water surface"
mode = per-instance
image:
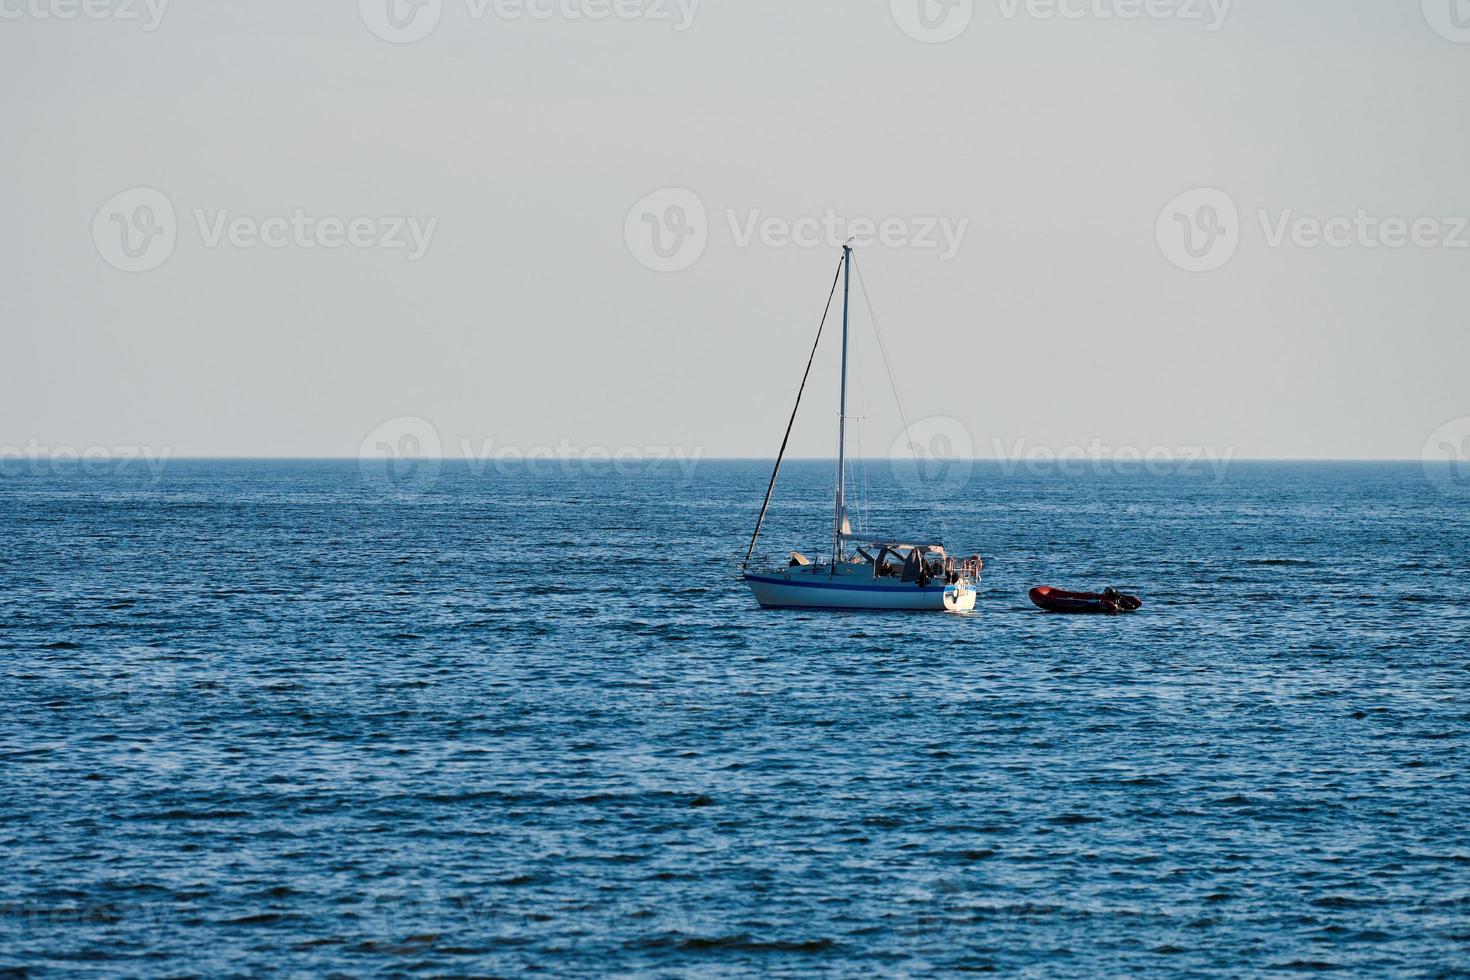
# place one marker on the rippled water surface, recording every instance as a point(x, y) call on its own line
point(275, 716)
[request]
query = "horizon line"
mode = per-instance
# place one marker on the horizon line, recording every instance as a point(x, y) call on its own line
point(234, 457)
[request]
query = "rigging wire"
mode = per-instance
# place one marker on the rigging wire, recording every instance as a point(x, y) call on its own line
point(897, 399)
point(770, 488)
point(860, 463)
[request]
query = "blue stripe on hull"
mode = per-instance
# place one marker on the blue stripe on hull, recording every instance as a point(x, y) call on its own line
point(889, 589)
point(915, 610)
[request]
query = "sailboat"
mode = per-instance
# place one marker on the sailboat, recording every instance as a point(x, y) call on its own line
point(863, 572)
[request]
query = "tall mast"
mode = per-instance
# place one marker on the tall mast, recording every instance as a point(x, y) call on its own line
point(842, 414)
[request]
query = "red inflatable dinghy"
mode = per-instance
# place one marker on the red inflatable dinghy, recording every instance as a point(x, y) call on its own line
point(1110, 603)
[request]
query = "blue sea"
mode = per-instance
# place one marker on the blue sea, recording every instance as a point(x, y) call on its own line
point(316, 719)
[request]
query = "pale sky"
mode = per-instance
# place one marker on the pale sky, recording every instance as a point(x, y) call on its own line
point(517, 149)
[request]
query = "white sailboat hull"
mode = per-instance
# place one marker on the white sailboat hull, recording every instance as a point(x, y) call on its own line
point(801, 589)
